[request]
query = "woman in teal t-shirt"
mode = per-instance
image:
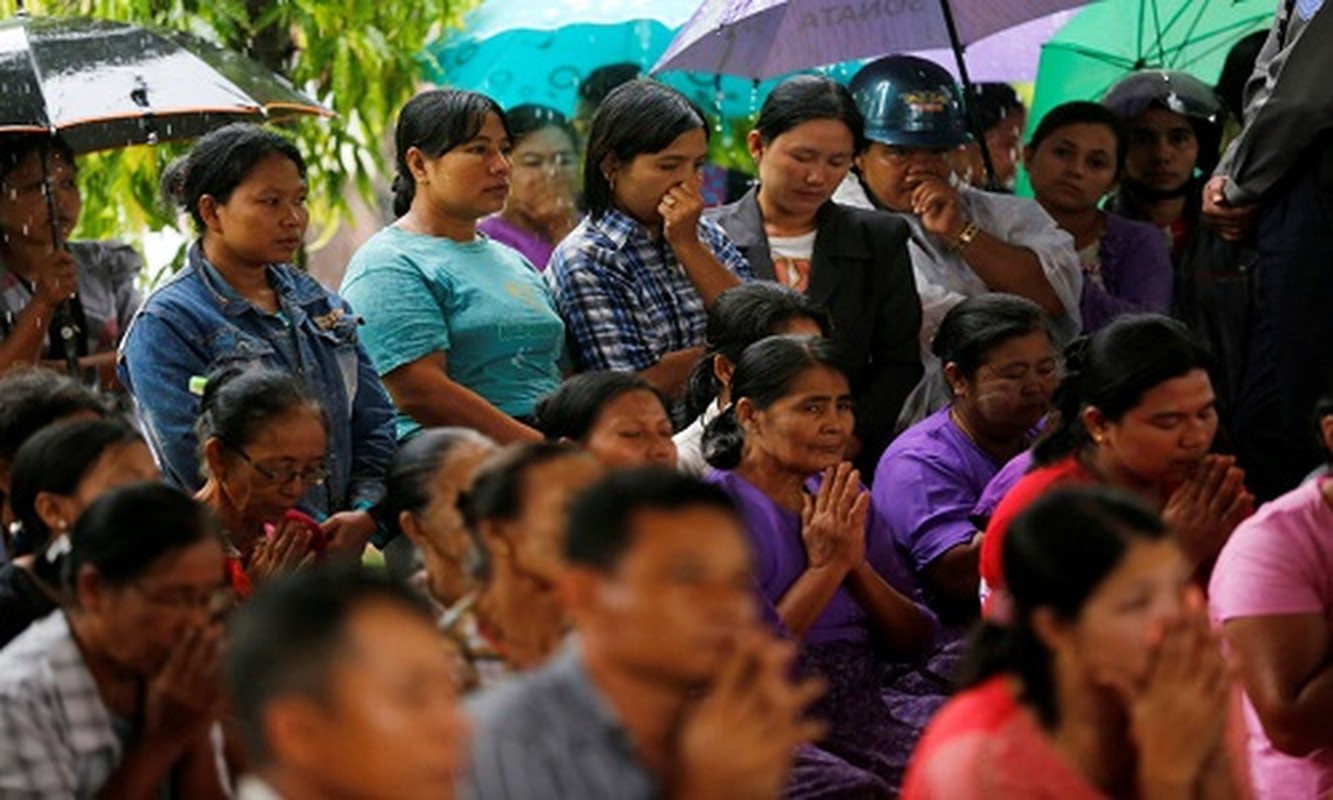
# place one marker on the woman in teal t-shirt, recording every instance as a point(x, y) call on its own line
point(461, 329)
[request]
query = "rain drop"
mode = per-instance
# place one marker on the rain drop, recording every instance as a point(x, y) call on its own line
point(719, 97)
point(152, 137)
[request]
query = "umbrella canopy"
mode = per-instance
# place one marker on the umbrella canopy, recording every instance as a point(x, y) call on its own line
point(106, 84)
point(1109, 40)
point(517, 53)
point(763, 38)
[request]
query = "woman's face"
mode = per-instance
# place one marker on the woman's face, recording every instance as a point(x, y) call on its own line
point(639, 185)
point(1163, 150)
point(545, 171)
point(892, 173)
point(145, 619)
point(1162, 439)
point(24, 214)
point(1121, 625)
point(119, 465)
point(536, 537)
point(471, 180)
point(1074, 167)
point(266, 476)
point(1012, 388)
point(445, 542)
point(632, 430)
point(807, 429)
point(801, 167)
point(264, 220)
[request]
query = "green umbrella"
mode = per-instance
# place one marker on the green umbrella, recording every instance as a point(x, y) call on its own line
point(1110, 39)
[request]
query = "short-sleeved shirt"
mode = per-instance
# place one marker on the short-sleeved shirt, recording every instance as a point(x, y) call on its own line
point(1280, 562)
point(479, 302)
point(552, 734)
point(625, 297)
point(926, 486)
point(999, 486)
point(57, 738)
point(780, 559)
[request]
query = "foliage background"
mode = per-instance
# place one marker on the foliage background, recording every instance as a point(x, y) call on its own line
point(357, 57)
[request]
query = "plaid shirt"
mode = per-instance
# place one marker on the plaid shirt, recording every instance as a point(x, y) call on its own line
point(56, 736)
point(624, 297)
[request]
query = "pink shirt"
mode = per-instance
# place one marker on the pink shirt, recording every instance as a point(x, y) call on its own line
point(1278, 562)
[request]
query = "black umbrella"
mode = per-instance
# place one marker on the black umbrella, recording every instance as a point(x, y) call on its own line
point(102, 85)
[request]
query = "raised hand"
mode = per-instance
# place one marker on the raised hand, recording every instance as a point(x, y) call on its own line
point(184, 697)
point(681, 208)
point(56, 278)
point(738, 741)
point(939, 207)
point(286, 550)
point(1206, 508)
point(833, 521)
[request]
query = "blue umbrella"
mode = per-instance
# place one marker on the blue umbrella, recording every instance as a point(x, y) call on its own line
point(519, 52)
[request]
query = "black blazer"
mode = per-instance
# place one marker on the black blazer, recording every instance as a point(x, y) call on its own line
point(861, 272)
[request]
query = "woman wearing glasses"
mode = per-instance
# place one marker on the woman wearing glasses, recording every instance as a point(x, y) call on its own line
point(540, 209)
point(239, 301)
point(263, 447)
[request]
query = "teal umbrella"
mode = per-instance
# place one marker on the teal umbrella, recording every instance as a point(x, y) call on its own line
point(1108, 40)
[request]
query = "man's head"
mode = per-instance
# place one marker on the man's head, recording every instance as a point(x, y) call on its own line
point(343, 687)
point(914, 119)
point(1175, 126)
point(659, 582)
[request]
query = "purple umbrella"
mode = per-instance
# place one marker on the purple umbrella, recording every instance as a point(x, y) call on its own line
point(763, 38)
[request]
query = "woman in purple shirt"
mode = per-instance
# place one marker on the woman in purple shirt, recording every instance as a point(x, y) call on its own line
point(1073, 161)
point(822, 559)
point(1002, 368)
point(540, 209)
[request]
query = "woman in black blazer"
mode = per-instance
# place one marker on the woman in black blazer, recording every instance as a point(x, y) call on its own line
point(852, 261)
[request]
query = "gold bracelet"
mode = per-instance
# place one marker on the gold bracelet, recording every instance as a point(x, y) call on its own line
point(965, 236)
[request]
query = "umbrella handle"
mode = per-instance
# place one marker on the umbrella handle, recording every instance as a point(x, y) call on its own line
point(64, 317)
point(992, 182)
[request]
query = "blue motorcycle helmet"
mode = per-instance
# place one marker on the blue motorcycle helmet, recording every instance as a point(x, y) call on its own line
point(910, 102)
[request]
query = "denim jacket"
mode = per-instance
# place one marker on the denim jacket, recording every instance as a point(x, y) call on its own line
point(197, 323)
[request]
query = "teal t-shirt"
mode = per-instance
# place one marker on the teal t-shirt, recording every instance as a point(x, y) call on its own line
point(478, 302)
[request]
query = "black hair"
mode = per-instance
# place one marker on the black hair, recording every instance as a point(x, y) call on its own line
point(764, 373)
point(408, 484)
point(978, 325)
point(803, 98)
point(992, 103)
point(1236, 72)
point(1084, 113)
point(1056, 554)
point(240, 401)
point(1323, 407)
point(1112, 369)
point(594, 88)
point(601, 520)
point(740, 317)
point(531, 117)
point(288, 638)
point(497, 488)
point(571, 411)
point(436, 122)
point(220, 162)
point(16, 147)
point(55, 460)
point(641, 116)
point(126, 531)
point(31, 399)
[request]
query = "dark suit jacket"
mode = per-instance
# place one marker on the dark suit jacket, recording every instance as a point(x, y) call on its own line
point(861, 272)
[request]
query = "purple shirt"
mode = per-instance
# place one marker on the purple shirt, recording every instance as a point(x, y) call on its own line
point(999, 486)
point(779, 559)
point(926, 485)
point(529, 245)
point(1136, 273)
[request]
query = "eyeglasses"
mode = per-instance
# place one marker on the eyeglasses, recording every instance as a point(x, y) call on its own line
point(214, 601)
point(310, 476)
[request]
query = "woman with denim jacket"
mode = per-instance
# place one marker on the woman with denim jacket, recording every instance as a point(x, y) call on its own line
point(239, 301)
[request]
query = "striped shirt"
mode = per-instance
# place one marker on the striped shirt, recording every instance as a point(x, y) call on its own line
point(56, 736)
point(624, 297)
point(551, 735)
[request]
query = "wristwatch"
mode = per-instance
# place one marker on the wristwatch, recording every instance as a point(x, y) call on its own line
point(965, 236)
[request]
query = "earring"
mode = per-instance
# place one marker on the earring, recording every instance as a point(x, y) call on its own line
point(62, 525)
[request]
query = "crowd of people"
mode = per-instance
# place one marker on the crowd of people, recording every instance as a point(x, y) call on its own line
point(874, 481)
